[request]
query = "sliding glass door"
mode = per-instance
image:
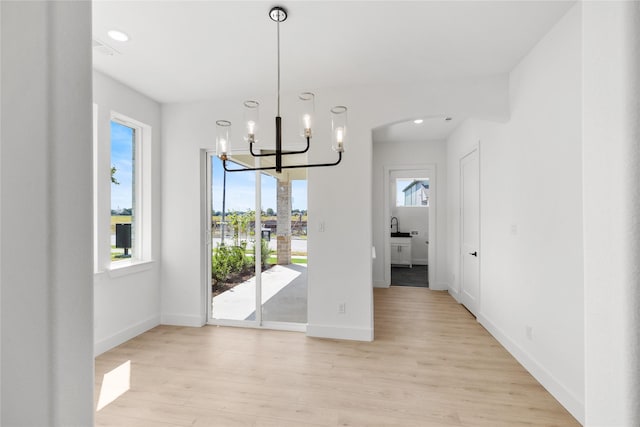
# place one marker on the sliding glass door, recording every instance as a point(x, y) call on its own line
point(258, 277)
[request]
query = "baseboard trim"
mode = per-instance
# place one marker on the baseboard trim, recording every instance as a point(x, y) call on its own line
point(182, 320)
point(455, 294)
point(439, 286)
point(379, 284)
point(339, 332)
point(566, 398)
point(125, 335)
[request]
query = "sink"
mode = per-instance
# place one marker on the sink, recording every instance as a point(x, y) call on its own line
point(399, 234)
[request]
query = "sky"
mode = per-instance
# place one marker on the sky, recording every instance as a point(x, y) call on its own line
point(240, 185)
point(240, 194)
point(121, 158)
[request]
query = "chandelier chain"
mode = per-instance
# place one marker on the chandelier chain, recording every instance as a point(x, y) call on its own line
point(278, 30)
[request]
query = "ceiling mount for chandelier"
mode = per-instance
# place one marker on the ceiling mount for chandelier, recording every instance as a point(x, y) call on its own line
point(251, 115)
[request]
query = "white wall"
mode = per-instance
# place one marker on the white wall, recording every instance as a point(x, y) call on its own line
point(531, 247)
point(392, 154)
point(611, 154)
point(47, 297)
point(340, 257)
point(127, 301)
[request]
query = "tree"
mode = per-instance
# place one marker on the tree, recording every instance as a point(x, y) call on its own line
point(113, 178)
point(246, 222)
point(270, 212)
point(233, 219)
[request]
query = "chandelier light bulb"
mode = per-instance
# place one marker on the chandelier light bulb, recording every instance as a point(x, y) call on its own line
point(223, 138)
point(306, 118)
point(338, 128)
point(251, 120)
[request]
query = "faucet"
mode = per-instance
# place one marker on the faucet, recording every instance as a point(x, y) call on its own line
point(397, 224)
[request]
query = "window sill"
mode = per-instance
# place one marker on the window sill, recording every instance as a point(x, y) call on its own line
point(124, 268)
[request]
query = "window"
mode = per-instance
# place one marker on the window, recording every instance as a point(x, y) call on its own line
point(123, 191)
point(130, 227)
point(412, 192)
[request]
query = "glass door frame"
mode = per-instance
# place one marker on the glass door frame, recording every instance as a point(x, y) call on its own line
point(208, 248)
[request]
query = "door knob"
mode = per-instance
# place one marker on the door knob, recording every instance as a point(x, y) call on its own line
point(474, 253)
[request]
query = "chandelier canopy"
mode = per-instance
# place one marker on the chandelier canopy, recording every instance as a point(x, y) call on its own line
point(251, 114)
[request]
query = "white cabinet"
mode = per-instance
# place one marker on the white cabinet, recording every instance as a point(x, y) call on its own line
point(401, 251)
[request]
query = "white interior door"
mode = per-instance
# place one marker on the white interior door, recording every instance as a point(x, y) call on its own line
point(470, 231)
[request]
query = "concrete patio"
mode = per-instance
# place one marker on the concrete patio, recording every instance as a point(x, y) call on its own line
point(284, 297)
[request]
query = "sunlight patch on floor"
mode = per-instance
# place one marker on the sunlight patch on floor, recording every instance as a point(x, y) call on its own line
point(115, 383)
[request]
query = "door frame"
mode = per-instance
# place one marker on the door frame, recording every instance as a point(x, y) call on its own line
point(474, 310)
point(206, 248)
point(428, 170)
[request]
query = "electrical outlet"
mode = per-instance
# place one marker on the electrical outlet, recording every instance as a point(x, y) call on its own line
point(414, 233)
point(342, 308)
point(529, 332)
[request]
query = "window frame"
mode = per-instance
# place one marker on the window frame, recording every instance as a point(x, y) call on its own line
point(142, 192)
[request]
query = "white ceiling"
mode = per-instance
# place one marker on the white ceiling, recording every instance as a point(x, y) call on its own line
point(191, 50)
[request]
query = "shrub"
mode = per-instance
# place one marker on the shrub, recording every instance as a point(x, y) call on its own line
point(220, 265)
point(229, 260)
point(236, 259)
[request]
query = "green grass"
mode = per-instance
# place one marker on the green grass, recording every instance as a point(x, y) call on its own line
point(294, 218)
point(117, 254)
point(274, 260)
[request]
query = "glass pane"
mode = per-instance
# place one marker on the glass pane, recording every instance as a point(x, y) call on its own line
point(122, 191)
point(233, 281)
point(284, 280)
point(412, 192)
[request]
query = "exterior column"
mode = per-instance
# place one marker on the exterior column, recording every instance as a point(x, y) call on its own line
point(283, 231)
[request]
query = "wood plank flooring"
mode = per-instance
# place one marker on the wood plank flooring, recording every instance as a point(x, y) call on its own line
point(431, 364)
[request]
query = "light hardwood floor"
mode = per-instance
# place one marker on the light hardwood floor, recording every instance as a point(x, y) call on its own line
point(431, 364)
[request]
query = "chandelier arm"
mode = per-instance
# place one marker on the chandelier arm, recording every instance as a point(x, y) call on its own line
point(267, 168)
point(284, 153)
point(316, 165)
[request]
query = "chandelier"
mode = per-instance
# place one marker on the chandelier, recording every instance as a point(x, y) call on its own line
point(251, 113)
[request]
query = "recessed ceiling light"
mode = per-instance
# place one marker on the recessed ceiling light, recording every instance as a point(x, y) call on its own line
point(418, 121)
point(118, 35)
